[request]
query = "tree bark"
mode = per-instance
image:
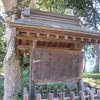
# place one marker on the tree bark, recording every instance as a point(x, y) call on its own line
point(12, 65)
point(96, 69)
point(97, 66)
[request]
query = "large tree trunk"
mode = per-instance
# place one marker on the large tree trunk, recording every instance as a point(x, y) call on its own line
point(12, 65)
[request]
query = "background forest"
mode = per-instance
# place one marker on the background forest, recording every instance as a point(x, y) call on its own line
point(81, 8)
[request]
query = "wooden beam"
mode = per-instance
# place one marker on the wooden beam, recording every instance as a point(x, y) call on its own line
point(64, 33)
point(23, 47)
point(51, 39)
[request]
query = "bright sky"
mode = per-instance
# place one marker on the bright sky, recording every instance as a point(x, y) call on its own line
point(1, 9)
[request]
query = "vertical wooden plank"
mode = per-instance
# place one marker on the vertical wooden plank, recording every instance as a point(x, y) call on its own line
point(98, 91)
point(38, 96)
point(91, 95)
point(55, 91)
point(62, 89)
point(87, 92)
point(72, 96)
point(50, 96)
point(25, 94)
point(41, 91)
point(32, 91)
point(93, 89)
point(82, 95)
point(62, 96)
point(48, 89)
point(80, 85)
point(32, 84)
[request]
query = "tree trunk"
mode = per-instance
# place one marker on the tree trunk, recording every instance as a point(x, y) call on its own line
point(96, 68)
point(12, 67)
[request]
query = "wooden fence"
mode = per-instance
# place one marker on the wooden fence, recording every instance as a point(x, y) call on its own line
point(87, 95)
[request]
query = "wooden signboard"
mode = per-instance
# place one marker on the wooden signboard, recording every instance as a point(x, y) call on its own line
point(51, 65)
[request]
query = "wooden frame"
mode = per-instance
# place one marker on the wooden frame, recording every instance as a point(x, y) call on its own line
point(38, 29)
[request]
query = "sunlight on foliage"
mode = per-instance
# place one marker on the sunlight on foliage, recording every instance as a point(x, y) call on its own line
point(92, 78)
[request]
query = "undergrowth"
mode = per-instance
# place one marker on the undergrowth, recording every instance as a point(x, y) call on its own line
point(92, 78)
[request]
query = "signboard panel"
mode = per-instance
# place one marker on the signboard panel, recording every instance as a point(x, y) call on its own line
point(51, 65)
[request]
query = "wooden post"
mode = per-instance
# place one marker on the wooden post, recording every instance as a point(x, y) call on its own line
point(25, 94)
point(50, 96)
point(55, 91)
point(82, 95)
point(32, 91)
point(93, 89)
point(32, 86)
point(80, 84)
point(88, 91)
point(91, 95)
point(41, 91)
point(62, 96)
point(62, 89)
point(48, 89)
point(98, 91)
point(72, 96)
point(38, 96)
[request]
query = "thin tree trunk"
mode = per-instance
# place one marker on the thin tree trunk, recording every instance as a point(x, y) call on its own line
point(97, 66)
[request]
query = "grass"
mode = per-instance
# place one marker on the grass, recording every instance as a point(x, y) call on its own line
point(93, 79)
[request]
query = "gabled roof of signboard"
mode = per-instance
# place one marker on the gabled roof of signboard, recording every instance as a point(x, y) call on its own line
point(52, 21)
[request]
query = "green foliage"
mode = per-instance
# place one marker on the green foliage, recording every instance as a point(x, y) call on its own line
point(92, 78)
point(90, 53)
point(2, 41)
point(45, 86)
point(58, 6)
point(25, 75)
point(18, 96)
point(1, 86)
